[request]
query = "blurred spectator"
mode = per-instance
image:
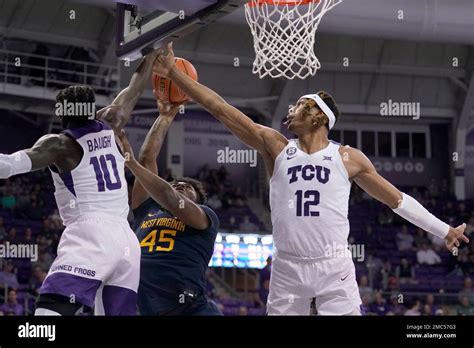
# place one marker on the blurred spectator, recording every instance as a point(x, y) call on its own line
point(243, 311)
point(386, 273)
point(385, 217)
point(448, 211)
point(427, 256)
point(404, 239)
point(379, 306)
point(365, 306)
point(232, 224)
point(48, 230)
point(28, 238)
point(8, 201)
point(426, 310)
point(465, 307)
point(414, 309)
point(467, 290)
point(364, 288)
point(221, 307)
point(3, 232)
point(374, 265)
point(462, 214)
point(214, 202)
point(238, 198)
point(256, 300)
point(437, 243)
point(55, 220)
point(12, 305)
point(430, 301)
point(433, 188)
point(470, 226)
point(34, 211)
point(8, 277)
point(222, 174)
point(395, 307)
point(247, 225)
point(37, 279)
point(420, 238)
point(12, 236)
point(203, 173)
point(45, 260)
point(405, 272)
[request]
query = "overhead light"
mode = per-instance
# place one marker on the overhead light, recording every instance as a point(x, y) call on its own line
point(250, 239)
point(266, 240)
point(232, 239)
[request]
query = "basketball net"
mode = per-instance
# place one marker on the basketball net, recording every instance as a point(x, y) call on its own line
point(284, 35)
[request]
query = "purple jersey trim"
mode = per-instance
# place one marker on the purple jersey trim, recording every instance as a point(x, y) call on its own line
point(93, 127)
point(335, 142)
point(68, 182)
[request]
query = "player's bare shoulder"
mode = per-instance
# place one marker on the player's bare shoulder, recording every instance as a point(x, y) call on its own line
point(69, 152)
point(354, 160)
point(274, 141)
point(60, 143)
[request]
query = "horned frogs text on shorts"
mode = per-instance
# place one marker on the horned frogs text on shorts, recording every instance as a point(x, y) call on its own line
point(309, 198)
point(98, 254)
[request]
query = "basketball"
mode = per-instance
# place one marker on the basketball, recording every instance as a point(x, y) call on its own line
point(167, 90)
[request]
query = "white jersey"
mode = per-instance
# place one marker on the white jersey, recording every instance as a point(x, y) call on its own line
point(97, 185)
point(309, 199)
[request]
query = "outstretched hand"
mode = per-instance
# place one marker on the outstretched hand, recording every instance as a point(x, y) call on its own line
point(164, 63)
point(166, 109)
point(455, 236)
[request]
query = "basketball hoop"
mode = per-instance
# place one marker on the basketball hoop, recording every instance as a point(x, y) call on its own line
point(284, 35)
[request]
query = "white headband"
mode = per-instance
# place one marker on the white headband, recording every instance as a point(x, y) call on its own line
point(323, 106)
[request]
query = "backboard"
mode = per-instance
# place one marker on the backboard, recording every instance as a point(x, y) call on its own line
point(146, 24)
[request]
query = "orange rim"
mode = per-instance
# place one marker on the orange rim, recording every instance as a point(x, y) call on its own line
point(253, 3)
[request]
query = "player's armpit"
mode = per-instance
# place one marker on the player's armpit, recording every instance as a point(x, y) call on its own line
point(47, 150)
point(366, 177)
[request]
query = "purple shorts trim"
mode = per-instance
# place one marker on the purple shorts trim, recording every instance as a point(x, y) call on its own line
point(82, 290)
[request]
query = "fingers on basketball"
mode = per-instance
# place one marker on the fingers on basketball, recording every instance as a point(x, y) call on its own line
point(166, 90)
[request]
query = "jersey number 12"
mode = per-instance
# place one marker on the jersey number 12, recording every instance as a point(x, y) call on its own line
point(305, 200)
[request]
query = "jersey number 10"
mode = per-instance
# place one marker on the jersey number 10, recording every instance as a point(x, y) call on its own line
point(102, 173)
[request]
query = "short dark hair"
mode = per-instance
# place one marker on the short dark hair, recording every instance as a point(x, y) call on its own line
point(76, 94)
point(198, 187)
point(331, 103)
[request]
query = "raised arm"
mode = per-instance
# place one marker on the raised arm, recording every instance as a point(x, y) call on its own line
point(265, 140)
point(366, 176)
point(162, 192)
point(48, 150)
point(118, 113)
point(151, 148)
